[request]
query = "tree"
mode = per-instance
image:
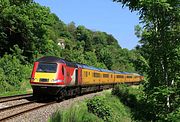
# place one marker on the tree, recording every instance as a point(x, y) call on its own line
point(26, 25)
point(82, 34)
point(161, 48)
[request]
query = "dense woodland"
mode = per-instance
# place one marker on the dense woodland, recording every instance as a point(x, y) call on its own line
point(29, 31)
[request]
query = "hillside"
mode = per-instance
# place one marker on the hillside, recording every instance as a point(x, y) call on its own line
point(29, 31)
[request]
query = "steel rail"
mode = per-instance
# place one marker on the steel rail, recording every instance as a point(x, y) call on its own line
point(11, 98)
point(15, 96)
point(15, 106)
point(26, 111)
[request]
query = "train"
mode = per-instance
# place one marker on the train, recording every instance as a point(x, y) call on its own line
point(54, 76)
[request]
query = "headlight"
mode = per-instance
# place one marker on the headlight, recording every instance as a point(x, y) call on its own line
point(33, 79)
point(56, 80)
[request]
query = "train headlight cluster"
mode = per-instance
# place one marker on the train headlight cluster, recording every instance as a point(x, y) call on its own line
point(56, 80)
point(33, 79)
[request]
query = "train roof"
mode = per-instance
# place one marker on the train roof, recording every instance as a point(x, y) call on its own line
point(117, 72)
point(53, 59)
point(136, 74)
point(84, 66)
point(125, 73)
point(106, 70)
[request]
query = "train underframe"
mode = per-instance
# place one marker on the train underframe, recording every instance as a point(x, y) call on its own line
point(61, 92)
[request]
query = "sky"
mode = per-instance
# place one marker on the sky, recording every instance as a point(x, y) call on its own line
point(98, 15)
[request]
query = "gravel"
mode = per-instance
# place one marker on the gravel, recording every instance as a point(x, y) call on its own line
point(12, 103)
point(43, 114)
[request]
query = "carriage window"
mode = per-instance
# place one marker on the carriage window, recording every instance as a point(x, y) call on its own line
point(97, 75)
point(47, 67)
point(105, 75)
point(129, 76)
point(119, 76)
point(85, 74)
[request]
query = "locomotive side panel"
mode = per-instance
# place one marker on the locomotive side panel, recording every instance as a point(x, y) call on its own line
point(71, 76)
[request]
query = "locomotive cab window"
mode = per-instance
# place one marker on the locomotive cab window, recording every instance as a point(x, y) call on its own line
point(47, 67)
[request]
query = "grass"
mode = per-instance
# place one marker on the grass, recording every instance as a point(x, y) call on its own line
point(76, 113)
point(24, 89)
point(79, 111)
point(11, 93)
point(121, 113)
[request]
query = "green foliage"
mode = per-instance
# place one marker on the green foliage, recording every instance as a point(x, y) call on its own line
point(123, 92)
point(12, 93)
point(159, 51)
point(135, 99)
point(174, 116)
point(82, 111)
point(82, 34)
point(76, 113)
point(98, 107)
point(29, 31)
point(13, 74)
point(26, 25)
point(36, 31)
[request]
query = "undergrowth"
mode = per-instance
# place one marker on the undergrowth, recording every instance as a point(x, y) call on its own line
point(105, 108)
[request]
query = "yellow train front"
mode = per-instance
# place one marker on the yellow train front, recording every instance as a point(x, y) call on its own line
point(58, 77)
point(52, 75)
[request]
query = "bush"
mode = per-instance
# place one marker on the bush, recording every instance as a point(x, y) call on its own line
point(98, 106)
point(174, 116)
point(123, 92)
point(12, 73)
point(136, 100)
point(76, 113)
point(98, 109)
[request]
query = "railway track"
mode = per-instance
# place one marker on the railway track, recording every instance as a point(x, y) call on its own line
point(16, 97)
point(14, 106)
point(10, 112)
